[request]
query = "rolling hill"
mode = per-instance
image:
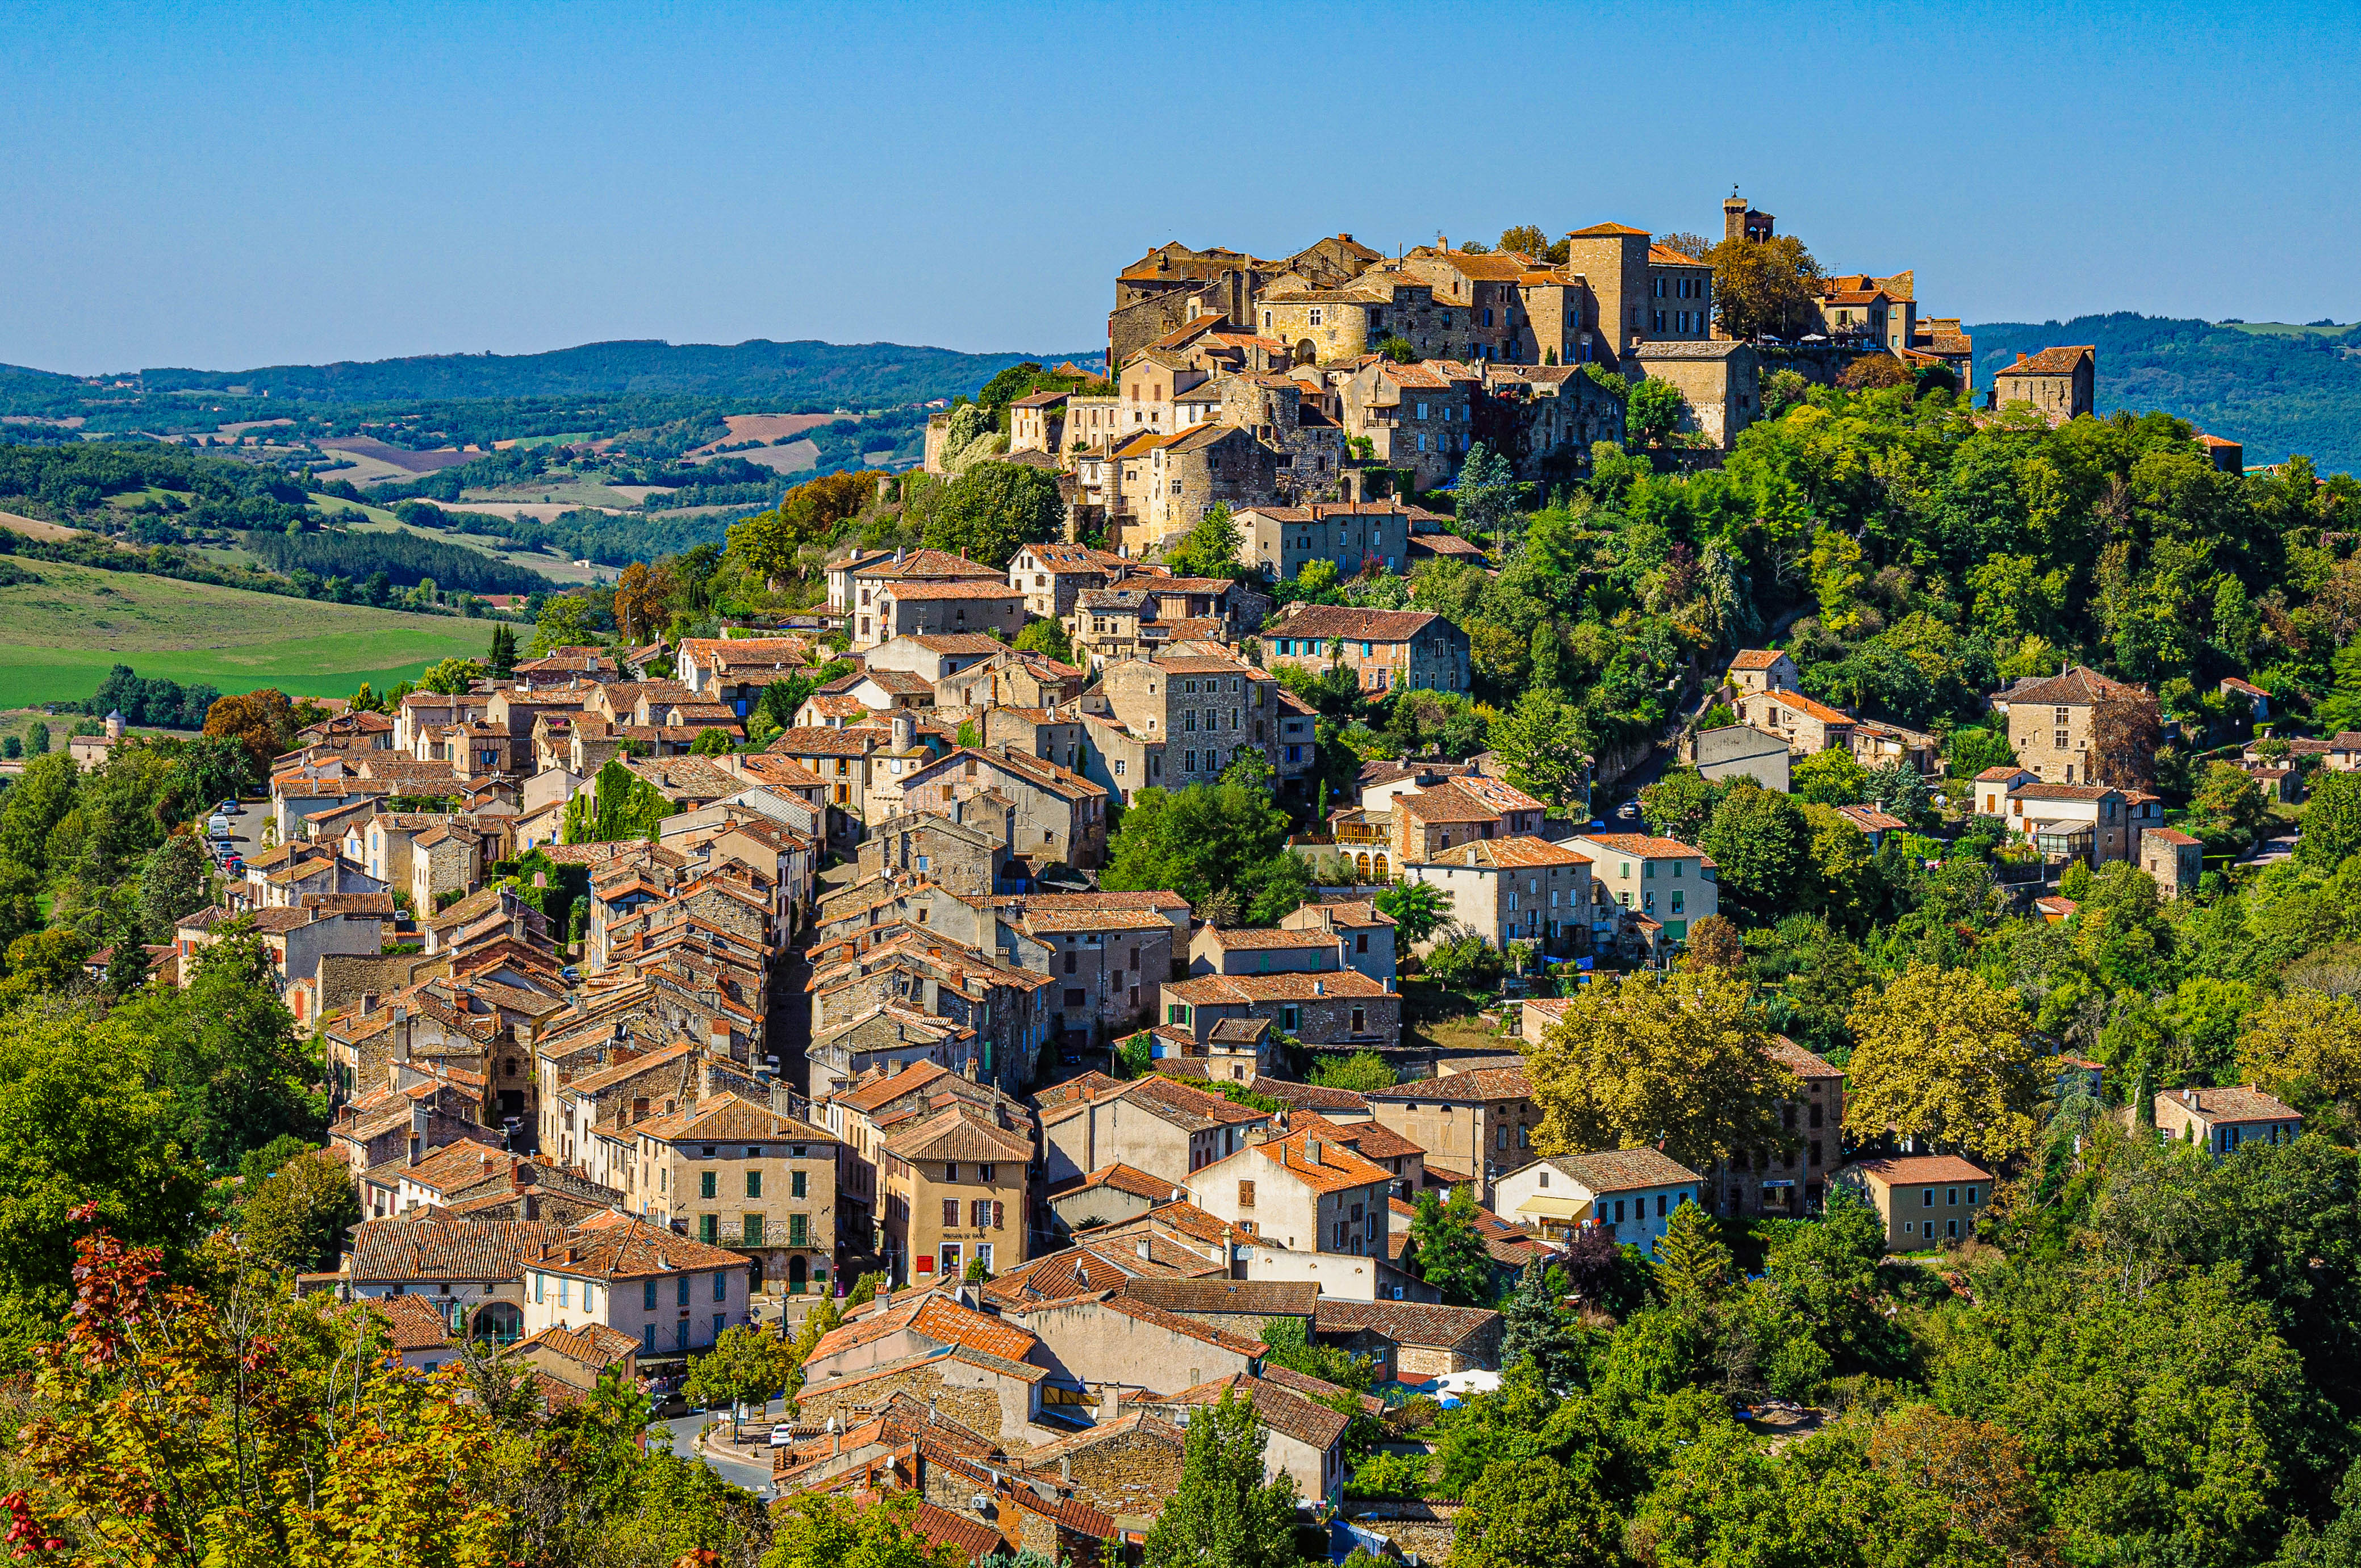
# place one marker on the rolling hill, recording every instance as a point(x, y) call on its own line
point(865, 375)
point(2277, 390)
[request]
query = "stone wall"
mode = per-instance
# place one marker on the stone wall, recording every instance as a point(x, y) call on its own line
point(989, 1403)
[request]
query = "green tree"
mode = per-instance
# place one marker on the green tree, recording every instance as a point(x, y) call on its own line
point(2332, 820)
point(1539, 743)
point(1692, 1264)
point(566, 620)
point(1535, 1328)
point(501, 660)
point(1973, 749)
point(450, 676)
point(2305, 1048)
point(1944, 1058)
point(1447, 1251)
point(37, 739)
point(1362, 1072)
point(1046, 635)
point(297, 1217)
point(710, 743)
point(992, 511)
point(1488, 492)
point(1829, 778)
point(1534, 1513)
point(747, 1366)
point(223, 1046)
point(1204, 839)
point(177, 880)
point(2230, 800)
point(1678, 1060)
point(1681, 802)
point(1291, 1346)
point(815, 1530)
point(1416, 908)
point(1761, 843)
point(1210, 548)
point(1653, 414)
point(79, 1135)
point(1223, 1514)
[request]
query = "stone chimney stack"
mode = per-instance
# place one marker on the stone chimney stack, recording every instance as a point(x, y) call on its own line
point(418, 1117)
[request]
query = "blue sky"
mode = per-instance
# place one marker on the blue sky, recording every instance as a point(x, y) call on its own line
point(225, 186)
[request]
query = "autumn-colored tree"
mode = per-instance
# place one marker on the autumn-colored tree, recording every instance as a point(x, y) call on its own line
point(1764, 286)
point(1715, 944)
point(2304, 1047)
point(263, 1431)
point(2126, 728)
point(1978, 1470)
point(1945, 1058)
point(1873, 371)
point(642, 601)
point(1641, 1058)
point(814, 1529)
point(262, 721)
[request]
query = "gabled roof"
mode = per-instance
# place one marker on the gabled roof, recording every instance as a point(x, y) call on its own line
point(1623, 1170)
point(2058, 361)
point(957, 1132)
point(2231, 1106)
point(1463, 1088)
point(2077, 687)
point(1644, 846)
point(1923, 1167)
point(1326, 621)
point(1405, 1323)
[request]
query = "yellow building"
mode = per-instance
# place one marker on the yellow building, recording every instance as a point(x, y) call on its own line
point(738, 1175)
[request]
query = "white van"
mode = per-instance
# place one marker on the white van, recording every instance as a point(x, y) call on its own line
point(218, 828)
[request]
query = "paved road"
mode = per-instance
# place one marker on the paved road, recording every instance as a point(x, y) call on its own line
point(755, 1478)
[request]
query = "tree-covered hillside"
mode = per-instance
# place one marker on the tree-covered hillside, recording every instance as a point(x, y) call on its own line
point(784, 375)
point(2278, 392)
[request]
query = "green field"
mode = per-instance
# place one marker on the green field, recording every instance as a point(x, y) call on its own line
point(59, 636)
point(2285, 329)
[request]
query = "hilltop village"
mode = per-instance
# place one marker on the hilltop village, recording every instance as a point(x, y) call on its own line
point(1134, 941)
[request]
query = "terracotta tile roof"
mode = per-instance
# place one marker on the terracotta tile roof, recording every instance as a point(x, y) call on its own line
point(1371, 1140)
point(1921, 1168)
point(1245, 990)
point(1250, 938)
point(1327, 621)
point(2173, 836)
point(1270, 1297)
point(1621, 1170)
point(1606, 231)
point(1310, 1096)
point(2058, 361)
point(623, 1246)
point(812, 739)
point(1446, 802)
point(1281, 1409)
point(923, 564)
point(958, 1132)
point(727, 1118)
point(1336, 1168)
point(1799, 1062)
point(2077, 687)
point(1519, 853)
point(958, 588)
point(1756, 658)
point(593, 1345)
point(1869, 819)
point(1087, 1086)
point(2225, 1105)
point(1463, 1088)
point(1665, 255)
point(405, 1250)
point(971, 1538)
point(1644, 846)
point(1999, 772)
point(412, 1323)
point(2061, 792)
point(1123, 1179)
point(1406, 1322)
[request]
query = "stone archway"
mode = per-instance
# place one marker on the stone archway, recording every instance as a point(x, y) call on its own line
point(502, 1322)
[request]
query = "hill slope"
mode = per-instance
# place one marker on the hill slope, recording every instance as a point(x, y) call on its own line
point(2277, 393)
point(59, 634)
point(866, 375)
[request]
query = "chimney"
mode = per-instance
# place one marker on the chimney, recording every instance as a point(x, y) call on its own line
point(417, 1116)
point(1312, 1151)
point(2188, 1098)
point(1143, 1246)
point(1319, 987)
point(1065, 1470)
point(1110, 1402)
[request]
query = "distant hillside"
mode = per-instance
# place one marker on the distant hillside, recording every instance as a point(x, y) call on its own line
point(2278, 390)
point(777, 375)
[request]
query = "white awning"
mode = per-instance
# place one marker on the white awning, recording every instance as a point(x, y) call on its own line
point(1549, 1206)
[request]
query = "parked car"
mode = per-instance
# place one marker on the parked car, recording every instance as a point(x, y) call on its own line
point(218, 826)
point(570, 974)
point(230, 808)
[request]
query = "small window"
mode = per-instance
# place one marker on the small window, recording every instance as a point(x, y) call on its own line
point(1245, 1194)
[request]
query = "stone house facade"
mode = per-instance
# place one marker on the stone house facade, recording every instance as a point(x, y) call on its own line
point(1202, 709)
point(1811, 726)
point(1345, 1010)
point(1304, 1193)
point(1519, 888)
point(1474, 1123)
point(955, 1189)
point(2052, 723)
point(1157, 1125)
point(738, 1175)
point(1282, 541)
point(2060, 383)
point(1385, 649)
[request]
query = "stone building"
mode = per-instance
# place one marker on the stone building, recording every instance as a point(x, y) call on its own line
point(1719, 382)
point(740, 1176)
point(956, 1188)
point(2222, 1121)
point(1810, 726)
point(2053, 723)
point(1345, 1010)
point(2060, 383)
point(1386, 649)
point(1349, 535)
point(1416, 417)
point(1202, 709)
point(2174, 859)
